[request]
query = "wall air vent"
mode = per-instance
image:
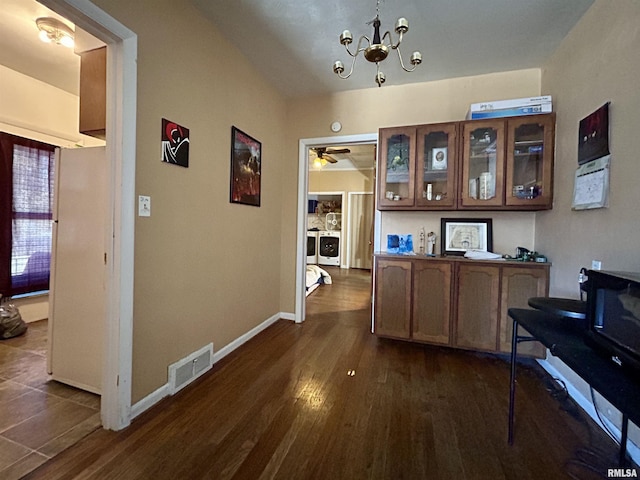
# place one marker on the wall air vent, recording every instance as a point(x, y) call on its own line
point(185, 371)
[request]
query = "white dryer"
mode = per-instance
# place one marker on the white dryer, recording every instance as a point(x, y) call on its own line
point(312, 247)
point(329, 248)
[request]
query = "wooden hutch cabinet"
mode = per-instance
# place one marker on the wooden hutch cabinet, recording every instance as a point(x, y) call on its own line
point(393, 298)
point(454, 301)
point(418, 167)
point(496, 164)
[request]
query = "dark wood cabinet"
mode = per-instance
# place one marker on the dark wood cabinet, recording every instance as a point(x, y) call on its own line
point(454, 301)
point(483, 164)
point(393, 298)
point(396, 168)
point(495, 164)
point(431, 311)
point(518, 285)
point(478, 304)
point(93, 92)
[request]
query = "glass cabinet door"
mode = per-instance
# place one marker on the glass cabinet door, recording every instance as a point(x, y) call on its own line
point(436, 166)
point(530, 161)
point(483, 164)
point(396, 167)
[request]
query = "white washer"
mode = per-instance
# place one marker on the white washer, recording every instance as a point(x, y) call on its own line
point(329, 248)
point(312, 247)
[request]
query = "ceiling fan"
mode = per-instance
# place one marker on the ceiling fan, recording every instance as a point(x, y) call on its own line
point(324, 153)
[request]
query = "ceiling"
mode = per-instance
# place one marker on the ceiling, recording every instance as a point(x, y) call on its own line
point(361, 157)
point(294, 43)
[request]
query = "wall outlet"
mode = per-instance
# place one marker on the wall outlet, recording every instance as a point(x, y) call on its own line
point(596, 265)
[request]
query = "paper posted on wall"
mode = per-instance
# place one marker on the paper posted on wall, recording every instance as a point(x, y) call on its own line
point(591, 186)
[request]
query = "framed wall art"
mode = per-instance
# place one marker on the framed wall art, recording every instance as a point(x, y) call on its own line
point(246, 162)
point(175, 143)
point(461, 234)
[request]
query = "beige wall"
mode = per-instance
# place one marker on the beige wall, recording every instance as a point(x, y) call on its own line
point(204, 268)
point(33, 109)
point(342, 180)
point(598, 62)
point(364, 111)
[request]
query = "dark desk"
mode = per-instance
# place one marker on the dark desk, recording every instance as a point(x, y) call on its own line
point(564, 339)
point(562, 307)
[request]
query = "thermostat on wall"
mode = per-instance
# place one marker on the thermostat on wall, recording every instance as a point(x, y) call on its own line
point(336, 126)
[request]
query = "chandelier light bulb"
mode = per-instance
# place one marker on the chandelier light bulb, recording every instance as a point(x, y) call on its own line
point(402, 25)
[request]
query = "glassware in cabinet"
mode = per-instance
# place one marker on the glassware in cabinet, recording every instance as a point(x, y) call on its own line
point(529, 170)
point(436, 166)
point(396, 167)
point(483, 164)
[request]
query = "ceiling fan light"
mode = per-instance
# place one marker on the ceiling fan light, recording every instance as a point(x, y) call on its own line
point(317, 163)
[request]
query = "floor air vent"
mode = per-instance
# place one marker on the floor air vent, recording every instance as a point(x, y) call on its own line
point(185, 371)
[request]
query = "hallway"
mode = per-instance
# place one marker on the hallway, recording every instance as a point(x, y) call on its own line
point(38, 418)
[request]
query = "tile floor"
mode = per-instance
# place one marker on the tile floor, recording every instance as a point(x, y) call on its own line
point(39, 417)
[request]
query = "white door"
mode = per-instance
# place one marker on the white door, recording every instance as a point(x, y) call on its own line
point(361, 230)
point(78, 271)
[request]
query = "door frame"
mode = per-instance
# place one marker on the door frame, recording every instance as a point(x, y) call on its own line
point(303, 187)
point(122, 47)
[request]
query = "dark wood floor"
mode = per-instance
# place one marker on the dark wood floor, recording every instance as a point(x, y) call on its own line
point(329, 400)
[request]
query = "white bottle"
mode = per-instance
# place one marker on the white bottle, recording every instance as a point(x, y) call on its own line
point(486, 186)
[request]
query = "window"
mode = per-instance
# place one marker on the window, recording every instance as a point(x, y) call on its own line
point(26, 206)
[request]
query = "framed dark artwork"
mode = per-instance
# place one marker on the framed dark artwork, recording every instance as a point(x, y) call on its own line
point(457, 235)
point(593, 135)
point(246, 161)
point(175, 143)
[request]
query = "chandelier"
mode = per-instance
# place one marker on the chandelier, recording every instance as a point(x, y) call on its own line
point(377, 50)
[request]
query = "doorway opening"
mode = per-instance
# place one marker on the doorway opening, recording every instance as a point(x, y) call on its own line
point(307, 148)
point(120, 178)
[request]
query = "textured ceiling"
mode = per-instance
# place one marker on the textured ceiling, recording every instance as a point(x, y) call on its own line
point(294, 43)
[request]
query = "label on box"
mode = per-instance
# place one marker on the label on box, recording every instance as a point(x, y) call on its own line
point(513, 112)
point(506, 104)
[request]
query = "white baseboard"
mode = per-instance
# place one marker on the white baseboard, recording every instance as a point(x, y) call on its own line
point(227, 349)
point(164, 391)
point(150, 400)
point(585, 403)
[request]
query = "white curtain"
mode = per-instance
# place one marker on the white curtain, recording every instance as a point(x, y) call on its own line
point(361, 238)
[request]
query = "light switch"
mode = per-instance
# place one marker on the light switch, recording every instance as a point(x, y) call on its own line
point(144, 206)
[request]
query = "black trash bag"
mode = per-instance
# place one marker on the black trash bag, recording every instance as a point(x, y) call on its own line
point(11, 323)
